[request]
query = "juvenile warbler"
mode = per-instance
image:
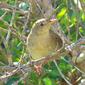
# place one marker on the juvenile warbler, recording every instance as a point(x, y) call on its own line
point(42, 41)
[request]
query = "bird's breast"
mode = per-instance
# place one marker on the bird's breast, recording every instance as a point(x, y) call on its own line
point(41, 45)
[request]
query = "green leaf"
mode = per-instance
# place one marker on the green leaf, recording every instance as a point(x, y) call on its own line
point(47, 81)
point(61, 13)
point(83, 17)
point(1, 12)
point(7, 17)
point(11, 80)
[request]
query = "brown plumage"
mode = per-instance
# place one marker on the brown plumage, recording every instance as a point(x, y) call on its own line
point(42, 41)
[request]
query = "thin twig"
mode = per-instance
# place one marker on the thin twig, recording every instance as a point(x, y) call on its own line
point(62, 75)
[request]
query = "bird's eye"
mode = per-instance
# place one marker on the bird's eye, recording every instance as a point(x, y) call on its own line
point(41, 24)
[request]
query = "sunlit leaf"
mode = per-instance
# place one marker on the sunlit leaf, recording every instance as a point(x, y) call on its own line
point(83, 16)
point(61, 13)
point(47, 81)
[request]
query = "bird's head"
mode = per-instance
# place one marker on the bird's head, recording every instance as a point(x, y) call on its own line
point(43, 24)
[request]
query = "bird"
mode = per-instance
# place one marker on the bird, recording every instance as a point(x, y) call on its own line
point(42, 41)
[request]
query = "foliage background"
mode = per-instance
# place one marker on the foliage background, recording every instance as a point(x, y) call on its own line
point(71, 16)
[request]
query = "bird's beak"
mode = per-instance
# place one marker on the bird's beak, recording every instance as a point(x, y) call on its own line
point(52, 21)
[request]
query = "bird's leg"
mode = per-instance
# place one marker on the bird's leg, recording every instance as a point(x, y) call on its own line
point(38, 68)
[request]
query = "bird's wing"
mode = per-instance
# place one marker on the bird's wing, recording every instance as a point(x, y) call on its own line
point(57, 37)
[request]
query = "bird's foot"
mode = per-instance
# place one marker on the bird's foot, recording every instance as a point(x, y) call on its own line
point(38, 68)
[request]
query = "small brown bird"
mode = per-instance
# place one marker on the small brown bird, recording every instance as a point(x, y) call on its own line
point(42, 41)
